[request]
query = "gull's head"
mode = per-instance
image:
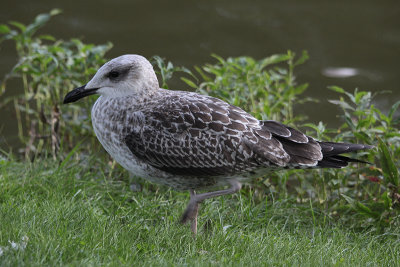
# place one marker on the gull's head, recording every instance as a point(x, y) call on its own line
point(127, 75)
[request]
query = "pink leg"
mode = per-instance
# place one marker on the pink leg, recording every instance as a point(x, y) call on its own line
point(193, 205)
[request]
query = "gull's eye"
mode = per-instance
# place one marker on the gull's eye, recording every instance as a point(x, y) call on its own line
point(113, 74)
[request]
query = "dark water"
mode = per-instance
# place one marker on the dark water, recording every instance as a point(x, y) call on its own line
point(363, 36)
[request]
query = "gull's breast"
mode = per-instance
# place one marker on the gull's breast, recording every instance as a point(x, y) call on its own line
point(110, 127)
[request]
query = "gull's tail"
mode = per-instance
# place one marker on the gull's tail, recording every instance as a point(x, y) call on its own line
point(306, 152)
point(332, 157)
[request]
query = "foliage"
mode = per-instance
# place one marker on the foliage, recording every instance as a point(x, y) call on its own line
point(264, 88)
point(166, 70)
point(376, 194)
point(49, 68)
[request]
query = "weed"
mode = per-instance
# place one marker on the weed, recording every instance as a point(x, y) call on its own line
point(49, 68)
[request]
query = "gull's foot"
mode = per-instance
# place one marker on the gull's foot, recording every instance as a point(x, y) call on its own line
point(190, 213)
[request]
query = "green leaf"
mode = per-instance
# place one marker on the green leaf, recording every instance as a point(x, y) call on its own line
point(304, 57)
point(360, 208)
point(352, 97)
point(393, 109)
point(361, 95)
point(342, 104)
point(40, 20)
point(336, 89)
point(274, 59)
point(363, 123)
point(47, 37)
point(18, 25)
point(55, 11)
point(202, 74)
point(4, 29)
point(311, 125)
point(389, 169)
point(386, 200)
point(189, 82)
point(220, 59)
point(349, 200)
point(301, 88)
point(362, 136)
point(349, 122)
point(382, 117)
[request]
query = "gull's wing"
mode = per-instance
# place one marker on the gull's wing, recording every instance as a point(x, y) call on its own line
point(191, 134)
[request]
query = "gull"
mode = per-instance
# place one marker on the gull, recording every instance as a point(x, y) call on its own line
point(190, 141)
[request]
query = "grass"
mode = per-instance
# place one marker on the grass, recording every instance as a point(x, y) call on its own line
point(78, 215)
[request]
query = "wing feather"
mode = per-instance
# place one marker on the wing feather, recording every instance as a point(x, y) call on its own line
point(191, 134)
point(194, 135)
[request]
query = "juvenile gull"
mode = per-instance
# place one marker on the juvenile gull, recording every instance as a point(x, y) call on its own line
point(190, 141)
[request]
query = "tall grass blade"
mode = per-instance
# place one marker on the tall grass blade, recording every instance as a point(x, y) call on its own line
point(390, 171)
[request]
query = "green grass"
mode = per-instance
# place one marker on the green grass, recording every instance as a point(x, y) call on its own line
point(78, 215)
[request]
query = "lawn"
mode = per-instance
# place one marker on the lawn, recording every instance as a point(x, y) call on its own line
point(78, 215)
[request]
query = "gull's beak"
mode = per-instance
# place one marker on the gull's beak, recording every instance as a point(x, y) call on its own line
point(79, 93)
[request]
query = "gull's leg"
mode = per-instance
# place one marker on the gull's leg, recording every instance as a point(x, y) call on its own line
point(195, 211)
point(193, 206)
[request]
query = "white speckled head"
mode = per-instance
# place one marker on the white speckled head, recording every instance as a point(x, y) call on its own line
point(125, 75)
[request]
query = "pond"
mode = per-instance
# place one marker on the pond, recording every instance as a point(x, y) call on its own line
point(352, 44)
